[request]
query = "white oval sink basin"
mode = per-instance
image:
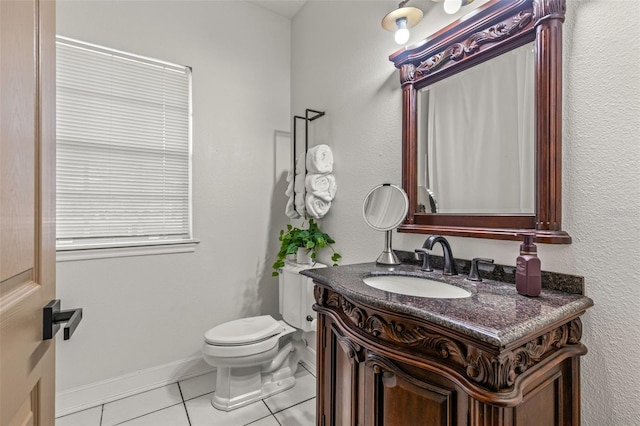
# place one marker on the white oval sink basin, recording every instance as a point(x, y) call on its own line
point(414, 286)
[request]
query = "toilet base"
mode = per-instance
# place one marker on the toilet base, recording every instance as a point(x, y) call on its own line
point(250, 376)
point(249, 385)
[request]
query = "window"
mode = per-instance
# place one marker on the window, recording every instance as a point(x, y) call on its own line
point(123, 149)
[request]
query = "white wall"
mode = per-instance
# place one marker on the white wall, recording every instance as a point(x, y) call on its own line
point(340, 65)
point(147, 311)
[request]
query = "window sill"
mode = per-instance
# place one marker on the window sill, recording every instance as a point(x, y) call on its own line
point(66, 254)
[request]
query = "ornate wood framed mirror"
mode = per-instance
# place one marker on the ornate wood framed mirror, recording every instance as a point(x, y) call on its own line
point(492, 30)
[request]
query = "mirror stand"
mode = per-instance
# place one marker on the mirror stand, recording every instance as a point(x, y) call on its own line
point(387, 257)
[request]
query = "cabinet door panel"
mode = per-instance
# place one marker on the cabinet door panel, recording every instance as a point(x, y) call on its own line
point(343, 370)
point(344, 384)
point(401, 399)
point(546, 404)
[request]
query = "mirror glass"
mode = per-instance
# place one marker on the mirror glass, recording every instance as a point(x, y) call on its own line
point(476, 146)
point(385, 207)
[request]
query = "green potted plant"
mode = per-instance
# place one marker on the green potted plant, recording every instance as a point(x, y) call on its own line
point(311, 239)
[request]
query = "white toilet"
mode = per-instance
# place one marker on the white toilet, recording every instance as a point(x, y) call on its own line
point(257, 357)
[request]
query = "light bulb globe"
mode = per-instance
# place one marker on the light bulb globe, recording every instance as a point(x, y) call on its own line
point(452, 6)
point(402, 36)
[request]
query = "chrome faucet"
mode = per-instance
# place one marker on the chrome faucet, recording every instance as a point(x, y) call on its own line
point(449, 262)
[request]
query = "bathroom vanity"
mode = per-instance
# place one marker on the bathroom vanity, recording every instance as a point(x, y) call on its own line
point(493, 358)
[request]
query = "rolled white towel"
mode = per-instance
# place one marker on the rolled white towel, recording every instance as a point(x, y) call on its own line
point(322, 186)
point(317, 207)
point(299, 184)
point(295, 190)
point(320, 159)
point(300, 174)
point(290, 211)
point(289, 191)
point(299, 204)
point(300, 162)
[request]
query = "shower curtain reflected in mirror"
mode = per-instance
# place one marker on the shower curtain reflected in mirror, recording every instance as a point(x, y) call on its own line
point(476, 132)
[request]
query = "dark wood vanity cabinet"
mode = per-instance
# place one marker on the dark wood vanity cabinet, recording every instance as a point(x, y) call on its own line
point(361, 387)
point(380, 368)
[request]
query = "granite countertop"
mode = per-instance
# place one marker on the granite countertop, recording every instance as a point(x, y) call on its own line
point(495, 313)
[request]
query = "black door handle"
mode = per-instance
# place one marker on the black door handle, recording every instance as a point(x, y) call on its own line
point(52, 316)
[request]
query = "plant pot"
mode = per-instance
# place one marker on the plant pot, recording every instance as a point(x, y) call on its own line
point(303, 256)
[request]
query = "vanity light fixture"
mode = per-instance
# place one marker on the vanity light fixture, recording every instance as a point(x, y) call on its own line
point(400, 20)
point(452, 6)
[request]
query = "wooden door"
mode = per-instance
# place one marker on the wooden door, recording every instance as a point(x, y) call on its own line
point(27, 209)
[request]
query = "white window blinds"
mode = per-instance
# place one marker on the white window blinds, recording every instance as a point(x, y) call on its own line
point(123, 147)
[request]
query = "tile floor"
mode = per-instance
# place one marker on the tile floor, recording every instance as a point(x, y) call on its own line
point(188, 403)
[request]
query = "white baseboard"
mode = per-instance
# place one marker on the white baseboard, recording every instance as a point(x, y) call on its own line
point(98, 393)
point(94, 394)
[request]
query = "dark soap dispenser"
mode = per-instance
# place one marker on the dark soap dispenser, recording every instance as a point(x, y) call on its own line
point(528, 277)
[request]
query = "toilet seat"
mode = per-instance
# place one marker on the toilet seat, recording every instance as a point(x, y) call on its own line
point(243, 331)
point(262, 339)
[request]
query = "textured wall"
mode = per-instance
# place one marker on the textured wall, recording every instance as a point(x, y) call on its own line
point(602, 206)
point(339, 64)
point(145, 311)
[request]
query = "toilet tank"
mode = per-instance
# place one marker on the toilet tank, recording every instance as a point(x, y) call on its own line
point(296, 296)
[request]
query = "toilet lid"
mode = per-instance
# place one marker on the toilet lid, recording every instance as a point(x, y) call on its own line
point(242, 331)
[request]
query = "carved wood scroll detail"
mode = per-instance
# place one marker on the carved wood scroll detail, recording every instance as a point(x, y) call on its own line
point(494, 372)
point(406, 334)
point(471, 45)
point(380, 365)
point(319, 294)
point(500, 372)
point(407, 74)
point(351, 349)
point(549, 9)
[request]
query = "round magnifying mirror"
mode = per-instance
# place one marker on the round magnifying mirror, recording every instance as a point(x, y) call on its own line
point(384, 208)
